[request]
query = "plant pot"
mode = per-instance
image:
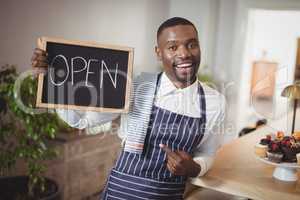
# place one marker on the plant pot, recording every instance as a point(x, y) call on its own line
point(15, 188)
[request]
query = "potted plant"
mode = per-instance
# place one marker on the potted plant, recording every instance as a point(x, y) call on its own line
point(23, 136)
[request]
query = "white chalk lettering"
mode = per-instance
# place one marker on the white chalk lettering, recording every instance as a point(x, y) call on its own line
point(79, 65)
point(77, 71)
point(88, 72)
point(52, 69)
point(114, 82)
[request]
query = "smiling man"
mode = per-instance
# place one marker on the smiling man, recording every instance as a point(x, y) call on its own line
point(182, 132)
point(172, 130)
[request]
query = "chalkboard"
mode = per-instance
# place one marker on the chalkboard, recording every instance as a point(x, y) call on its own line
point(85, 76)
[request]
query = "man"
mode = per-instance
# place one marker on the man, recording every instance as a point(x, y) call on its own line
point(171, 131)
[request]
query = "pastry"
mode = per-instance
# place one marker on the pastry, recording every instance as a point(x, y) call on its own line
point(290, 147)
point(274, 153)
point(296, 135)
point(261, 150)
point(280, 135)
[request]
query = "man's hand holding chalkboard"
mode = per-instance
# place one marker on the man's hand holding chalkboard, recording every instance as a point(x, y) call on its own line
point(39, 59)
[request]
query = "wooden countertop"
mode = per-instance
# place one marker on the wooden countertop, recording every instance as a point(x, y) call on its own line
point(237, 171)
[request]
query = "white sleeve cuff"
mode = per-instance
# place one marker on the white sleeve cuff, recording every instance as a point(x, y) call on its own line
point(73, 118)
point(82, 120)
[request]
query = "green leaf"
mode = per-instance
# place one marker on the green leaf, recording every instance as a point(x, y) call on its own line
point(35, 137)
point(42, 144)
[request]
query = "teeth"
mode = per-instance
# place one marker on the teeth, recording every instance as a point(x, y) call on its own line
point(184, 65)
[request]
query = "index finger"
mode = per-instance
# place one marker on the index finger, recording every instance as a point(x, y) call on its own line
point(172, 156)
point(169, 152)
point(165, 148)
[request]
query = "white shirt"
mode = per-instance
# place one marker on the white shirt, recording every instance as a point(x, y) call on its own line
point(184, 101)
point(181, 101)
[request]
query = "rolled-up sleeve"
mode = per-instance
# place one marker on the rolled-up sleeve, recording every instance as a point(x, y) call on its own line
point(213, 136)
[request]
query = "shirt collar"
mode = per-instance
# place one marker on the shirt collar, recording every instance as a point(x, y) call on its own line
point(166, 87)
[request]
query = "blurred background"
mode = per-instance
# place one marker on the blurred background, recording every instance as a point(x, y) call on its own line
point(250, 48)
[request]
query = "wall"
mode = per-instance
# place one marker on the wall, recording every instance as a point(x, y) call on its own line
point(131, 23)
point(226, 24)
point(203, 13)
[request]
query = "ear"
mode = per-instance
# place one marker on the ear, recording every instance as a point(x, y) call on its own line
point(158, 53)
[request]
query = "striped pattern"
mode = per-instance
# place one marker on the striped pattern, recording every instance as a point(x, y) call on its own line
point(140, 109)
point(145, 176)
point(126, 186)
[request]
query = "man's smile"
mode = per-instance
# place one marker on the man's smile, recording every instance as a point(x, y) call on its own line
point(186, 67)
point(184, 64)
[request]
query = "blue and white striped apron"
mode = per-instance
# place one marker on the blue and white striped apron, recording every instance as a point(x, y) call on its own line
point(145, 176)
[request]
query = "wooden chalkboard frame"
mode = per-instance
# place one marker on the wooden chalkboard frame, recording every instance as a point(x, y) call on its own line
point(42, 44)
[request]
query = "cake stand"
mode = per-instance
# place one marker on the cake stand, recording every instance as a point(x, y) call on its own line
point(284, 171)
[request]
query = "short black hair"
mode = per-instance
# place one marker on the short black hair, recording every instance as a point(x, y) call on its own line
point(174, 21)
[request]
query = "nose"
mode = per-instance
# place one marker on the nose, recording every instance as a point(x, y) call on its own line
point(183, 52)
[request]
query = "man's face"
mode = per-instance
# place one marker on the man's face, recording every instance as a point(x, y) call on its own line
point(178, 49)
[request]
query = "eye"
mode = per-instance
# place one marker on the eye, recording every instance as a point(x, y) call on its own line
point(172, 48)
point(193, 45)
